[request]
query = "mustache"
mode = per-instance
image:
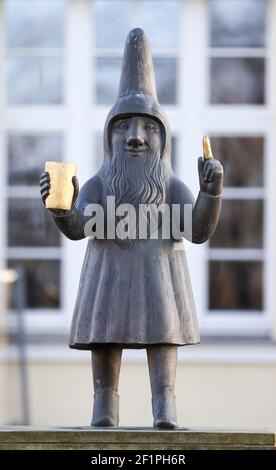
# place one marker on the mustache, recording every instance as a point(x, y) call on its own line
point(136, 147)
point(135, 180)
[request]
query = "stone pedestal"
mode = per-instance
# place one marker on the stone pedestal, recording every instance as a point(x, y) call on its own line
point(85, 438)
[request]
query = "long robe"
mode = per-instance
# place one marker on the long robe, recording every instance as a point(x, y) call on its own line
point(140, 294)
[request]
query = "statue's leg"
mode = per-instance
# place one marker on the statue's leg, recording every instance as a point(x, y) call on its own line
point(106, 364)
point(162, 368)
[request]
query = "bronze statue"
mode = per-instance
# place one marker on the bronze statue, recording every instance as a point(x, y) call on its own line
point(136, 293)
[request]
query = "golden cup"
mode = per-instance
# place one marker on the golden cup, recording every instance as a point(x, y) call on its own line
point(62, 189)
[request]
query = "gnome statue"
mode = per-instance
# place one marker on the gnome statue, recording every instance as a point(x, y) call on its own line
point(135, 292)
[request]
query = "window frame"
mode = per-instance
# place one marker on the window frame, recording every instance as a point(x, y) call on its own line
point(243, 121)
point(190, 119)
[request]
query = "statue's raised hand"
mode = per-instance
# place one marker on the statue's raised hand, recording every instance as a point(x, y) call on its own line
point(210, 173)
point(45, 185)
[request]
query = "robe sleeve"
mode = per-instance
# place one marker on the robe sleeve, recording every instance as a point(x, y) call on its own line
point(205, 211)
point(206, 214)
point(72, 224)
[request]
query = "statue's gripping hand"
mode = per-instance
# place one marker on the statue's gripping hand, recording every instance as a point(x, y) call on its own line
point(45, 185)
point(210, 176)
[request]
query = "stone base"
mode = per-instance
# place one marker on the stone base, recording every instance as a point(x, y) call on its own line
point(85, 438)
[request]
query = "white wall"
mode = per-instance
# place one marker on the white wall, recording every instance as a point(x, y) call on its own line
point(213, 395)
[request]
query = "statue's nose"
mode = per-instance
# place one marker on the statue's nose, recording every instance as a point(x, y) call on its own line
point(135, 141)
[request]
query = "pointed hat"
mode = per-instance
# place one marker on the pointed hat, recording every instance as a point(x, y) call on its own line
point(137, 74)
point(137, 90)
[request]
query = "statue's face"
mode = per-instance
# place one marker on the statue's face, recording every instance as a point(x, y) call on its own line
point(136, 135)
point(136, 150)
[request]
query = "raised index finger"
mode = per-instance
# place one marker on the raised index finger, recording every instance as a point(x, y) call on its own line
point(207, 150)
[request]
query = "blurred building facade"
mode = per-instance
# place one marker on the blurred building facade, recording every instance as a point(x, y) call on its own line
point(60, 67)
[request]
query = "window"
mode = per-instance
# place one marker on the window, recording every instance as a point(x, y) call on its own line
point(112, 20)
point(237, 40)
point(33, 240)
point(35, 42)
point(237, 282)
point(214, 73)
point(237, 252)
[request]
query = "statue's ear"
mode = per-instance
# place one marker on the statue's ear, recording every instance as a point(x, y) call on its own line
point(109, 132)
point(163, 139)
point(108, 136)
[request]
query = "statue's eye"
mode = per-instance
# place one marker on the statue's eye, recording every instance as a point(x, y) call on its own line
point(123, 125)
point(150, 126)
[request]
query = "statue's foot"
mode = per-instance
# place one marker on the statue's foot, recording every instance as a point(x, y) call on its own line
point(104, 422)
point(164, 410)
point(106, 408)
point(164, 424)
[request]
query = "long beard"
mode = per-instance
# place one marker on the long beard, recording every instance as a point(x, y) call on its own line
point(136, 180)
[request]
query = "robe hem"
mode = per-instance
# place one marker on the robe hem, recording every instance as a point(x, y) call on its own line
point(89, 346)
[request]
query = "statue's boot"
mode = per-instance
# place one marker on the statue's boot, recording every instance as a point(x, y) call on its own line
point(106, 363)
point(162, 369)
point(105, 408)
point(164, 409)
